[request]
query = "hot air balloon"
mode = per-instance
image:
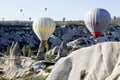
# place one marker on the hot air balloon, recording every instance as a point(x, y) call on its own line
point(45, 9)
point(30, 18)
point(96, 21)
point(43, 27)
point(21, 10)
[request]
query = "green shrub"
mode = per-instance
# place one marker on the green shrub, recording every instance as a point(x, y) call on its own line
point(26, 50)
point(3, 78)
point(47, 70)
point(50, 57)
point(47, 46)
point(42, 77)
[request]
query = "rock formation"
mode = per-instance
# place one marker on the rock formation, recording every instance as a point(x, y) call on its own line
point(25, 35)
point(14, 61)
point(98, 62)
point(62, 51)
point(41, 52)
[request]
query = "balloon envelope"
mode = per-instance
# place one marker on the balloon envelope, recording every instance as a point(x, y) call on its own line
point(21, 10)
point(97, 20)
point(45, 9)
point(43, 27)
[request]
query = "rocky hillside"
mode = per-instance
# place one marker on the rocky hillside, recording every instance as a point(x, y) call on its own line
point(96, 62)
point(23, 33)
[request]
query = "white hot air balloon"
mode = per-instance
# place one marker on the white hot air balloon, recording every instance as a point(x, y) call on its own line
point(97, 20)
point(43, 28)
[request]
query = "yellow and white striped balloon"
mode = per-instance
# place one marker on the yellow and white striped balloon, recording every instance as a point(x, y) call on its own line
point(43, 28)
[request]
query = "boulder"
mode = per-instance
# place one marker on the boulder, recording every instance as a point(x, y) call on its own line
point(27, 62)
point(97, 62)
point(62, 51)
point(55, 50)
point(54, 41)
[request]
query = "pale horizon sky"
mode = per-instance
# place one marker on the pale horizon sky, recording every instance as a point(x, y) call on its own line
point(56, 9)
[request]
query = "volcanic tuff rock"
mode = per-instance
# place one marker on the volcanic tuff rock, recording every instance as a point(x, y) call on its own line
point(25, 35)
point(98, 62)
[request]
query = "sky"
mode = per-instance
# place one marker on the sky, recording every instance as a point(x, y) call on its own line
point(56, 9)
